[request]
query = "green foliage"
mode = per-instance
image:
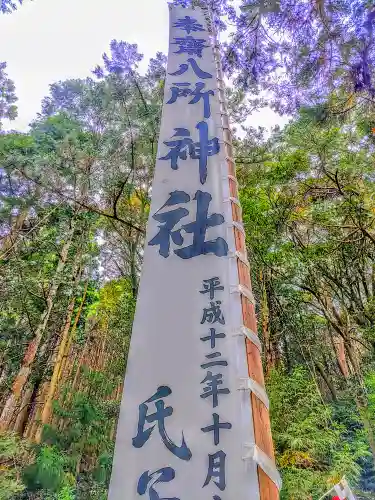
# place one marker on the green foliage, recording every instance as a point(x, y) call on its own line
point(8, 97)
point(14, 455)
point(74, 200)
point(88, 420)
point(312, 451)
point(308, 202)
point(66, 493)
point(49, 472)
point(9, 486)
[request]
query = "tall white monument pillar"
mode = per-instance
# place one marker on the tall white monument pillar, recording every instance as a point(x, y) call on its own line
point(194, 419)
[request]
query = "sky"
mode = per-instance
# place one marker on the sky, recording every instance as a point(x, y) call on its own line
point(51, 40)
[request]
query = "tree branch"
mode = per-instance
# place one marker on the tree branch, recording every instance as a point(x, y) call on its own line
point(83, 205)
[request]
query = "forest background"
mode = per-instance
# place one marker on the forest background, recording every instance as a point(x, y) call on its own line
point(74, 201)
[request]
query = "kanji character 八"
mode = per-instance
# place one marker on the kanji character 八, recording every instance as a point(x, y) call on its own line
point(203, 75)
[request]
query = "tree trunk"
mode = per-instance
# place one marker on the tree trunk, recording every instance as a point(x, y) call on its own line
point(11, 405)
point(327, 379)
point(11, 239)
point(353, 358)
point(342, 349)
point(23, 413)
point(271, 346)
point(46, 407)
point(339, 347)
point(33, 424)
point(73, 388)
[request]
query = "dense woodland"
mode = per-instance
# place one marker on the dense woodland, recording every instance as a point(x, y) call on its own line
point(74, 201)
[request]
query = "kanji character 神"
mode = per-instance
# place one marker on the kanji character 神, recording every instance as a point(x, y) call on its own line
point(190, 45)
point(215, 428)
point(211, 286)
point(203, 75)
point(200, 150)
point(149, 479)
point(216, 470)
point(212, 388)
point(184, 90)
point(162, 412)
point(198, 228)
point(188, 24)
